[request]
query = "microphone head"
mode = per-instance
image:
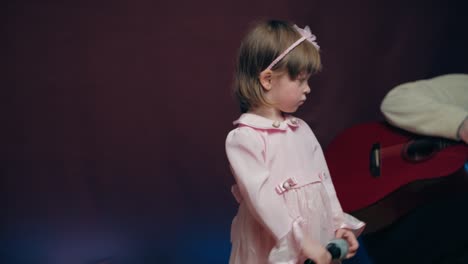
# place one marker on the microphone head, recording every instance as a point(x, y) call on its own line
point(338, 248)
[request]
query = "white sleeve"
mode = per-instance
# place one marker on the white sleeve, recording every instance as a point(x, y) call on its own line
point(434, 107)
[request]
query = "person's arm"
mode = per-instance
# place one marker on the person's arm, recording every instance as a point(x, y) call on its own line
point(434, 107)
point(245, 152)
point(341, 220)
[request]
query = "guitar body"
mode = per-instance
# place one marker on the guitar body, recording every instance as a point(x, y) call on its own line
point(348, 158)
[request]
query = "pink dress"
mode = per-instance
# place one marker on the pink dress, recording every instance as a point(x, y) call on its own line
point(284, 191)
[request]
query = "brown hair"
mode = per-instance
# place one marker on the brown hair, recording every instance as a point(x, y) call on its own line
point(262, 44)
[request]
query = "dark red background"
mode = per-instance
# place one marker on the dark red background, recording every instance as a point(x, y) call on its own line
point(114, 113)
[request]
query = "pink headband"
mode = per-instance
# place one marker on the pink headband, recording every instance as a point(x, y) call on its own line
point(306, 34)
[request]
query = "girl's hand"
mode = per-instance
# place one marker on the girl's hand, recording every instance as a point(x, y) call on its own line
point(350, 238)
point(316, 252)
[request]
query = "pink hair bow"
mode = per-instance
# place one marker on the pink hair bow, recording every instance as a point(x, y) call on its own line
point(307, 34)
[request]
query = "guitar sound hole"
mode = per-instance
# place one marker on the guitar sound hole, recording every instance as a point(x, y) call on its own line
point(420, 150)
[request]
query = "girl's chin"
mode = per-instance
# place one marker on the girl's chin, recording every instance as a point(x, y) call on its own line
point(290, 111)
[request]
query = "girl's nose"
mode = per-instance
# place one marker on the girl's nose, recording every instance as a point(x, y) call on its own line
point(307, 89)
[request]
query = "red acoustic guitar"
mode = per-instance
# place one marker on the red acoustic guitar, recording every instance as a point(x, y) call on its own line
point(370, 163)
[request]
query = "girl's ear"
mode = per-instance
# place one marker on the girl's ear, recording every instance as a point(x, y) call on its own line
point(265, 79)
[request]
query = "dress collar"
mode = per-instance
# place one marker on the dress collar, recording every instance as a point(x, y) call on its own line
point(261, 122)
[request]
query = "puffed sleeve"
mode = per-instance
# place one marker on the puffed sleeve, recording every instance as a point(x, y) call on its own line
point(245, 149)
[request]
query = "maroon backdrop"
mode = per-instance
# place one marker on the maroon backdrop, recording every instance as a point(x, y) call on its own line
point(115, 112)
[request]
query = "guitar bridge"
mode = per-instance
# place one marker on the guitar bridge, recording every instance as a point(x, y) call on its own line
point(374, 160)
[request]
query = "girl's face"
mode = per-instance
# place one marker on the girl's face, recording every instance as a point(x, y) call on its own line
point(286, 94)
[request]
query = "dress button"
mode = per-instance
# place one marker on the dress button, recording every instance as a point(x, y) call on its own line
point(294, 121)
point(286, 185)
point(276, 124)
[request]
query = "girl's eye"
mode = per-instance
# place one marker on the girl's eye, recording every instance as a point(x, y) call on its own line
point(303, 78)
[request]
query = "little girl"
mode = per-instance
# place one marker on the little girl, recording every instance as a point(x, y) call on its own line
point(288, 209)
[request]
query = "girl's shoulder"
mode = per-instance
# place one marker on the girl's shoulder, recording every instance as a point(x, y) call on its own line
point(243, 134)
point(250, 130)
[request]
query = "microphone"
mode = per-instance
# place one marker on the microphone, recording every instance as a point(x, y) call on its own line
point(338, 248)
